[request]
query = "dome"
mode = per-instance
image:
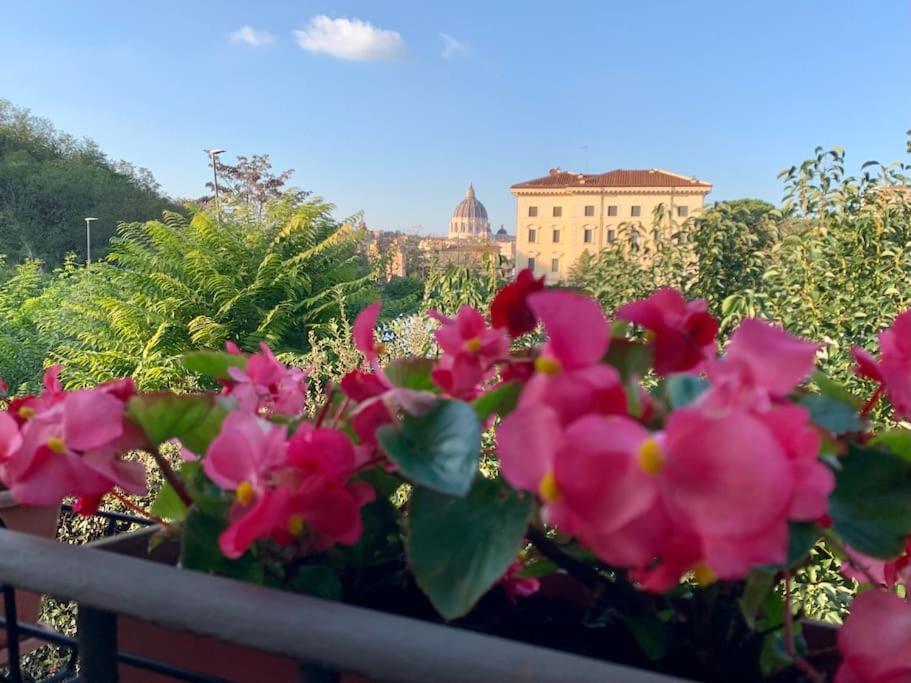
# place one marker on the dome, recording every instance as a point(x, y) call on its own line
point(469, 219)
point(502, 232)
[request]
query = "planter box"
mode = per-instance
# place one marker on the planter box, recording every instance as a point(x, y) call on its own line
point(39, 521)
point(186, 650)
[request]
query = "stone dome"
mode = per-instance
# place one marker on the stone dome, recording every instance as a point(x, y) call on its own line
point(469, 219)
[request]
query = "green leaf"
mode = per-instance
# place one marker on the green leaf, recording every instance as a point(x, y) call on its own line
point(651, 635)
point(829, 387)
point(500, 400)
point(317, 580)
point(380, 539)
point(759, 584)
point(168, 505)
point(214, 364)
point(684, 389)
point(199, 549)
point(897, 441)
point(459, 547)
point(832, 414)
point(632, 359)
point(802, 536)
point(439, 450)
point(412, 373)
point(871, 504)
point(195, 419)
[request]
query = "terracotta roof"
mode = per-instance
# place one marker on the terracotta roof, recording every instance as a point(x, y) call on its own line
point(652, 177)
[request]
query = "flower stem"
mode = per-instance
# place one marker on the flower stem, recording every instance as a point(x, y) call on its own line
point(581, 572)
point(171, 477)
point(130, 505)
point(869, 405)
point(802, 664)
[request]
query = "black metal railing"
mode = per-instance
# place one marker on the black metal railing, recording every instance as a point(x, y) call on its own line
point(325, 637)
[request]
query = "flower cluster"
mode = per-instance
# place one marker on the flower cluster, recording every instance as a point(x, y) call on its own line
point(699, 474)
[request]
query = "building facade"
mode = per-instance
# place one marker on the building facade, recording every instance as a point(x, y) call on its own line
point(564, 214)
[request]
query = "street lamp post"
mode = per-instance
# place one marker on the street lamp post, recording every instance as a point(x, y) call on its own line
point(213, 156)
point(88, 240)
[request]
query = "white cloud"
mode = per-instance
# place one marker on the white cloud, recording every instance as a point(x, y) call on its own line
point(349, 39)
point(251, 36)
point(452, 47)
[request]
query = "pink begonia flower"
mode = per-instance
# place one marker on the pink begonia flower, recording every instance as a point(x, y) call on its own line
point(516, 586)
point(267, 385)
point(893, 371)
point(363, 331)
point(683, 332)
point(243, 458)
point(470, 349)
point(70, 446)
point(875, 640)
point(569, 376)
point(887, 573)
point(770, 357)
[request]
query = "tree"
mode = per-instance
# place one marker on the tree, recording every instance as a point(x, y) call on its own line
point(175, 285)
point(250, 183)
point(49, 183)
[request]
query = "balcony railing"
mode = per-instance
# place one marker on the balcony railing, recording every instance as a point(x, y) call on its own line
point(325, 637)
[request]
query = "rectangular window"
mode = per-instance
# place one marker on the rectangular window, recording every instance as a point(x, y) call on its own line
point(531, 263)
point(682, 211)
point(611, 236)
point(532, 235)
point(635, 211)
point(555, 265)
point(587, 236)
point(556, 236)
point(612, 211)
point(532, 211)
point(558, 211)
point(589, 210)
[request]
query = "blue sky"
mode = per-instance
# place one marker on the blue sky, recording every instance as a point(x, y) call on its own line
point(376, 118)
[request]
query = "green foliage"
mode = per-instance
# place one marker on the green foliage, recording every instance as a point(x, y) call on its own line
point(173, 286)
point(49, 183)
point(871, 504)
point(439, 450)
point(449, 288)
point(458, 547)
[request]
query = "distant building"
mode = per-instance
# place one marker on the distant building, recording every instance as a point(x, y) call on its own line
point(564, 214)
point(469, 219)
point(470, 244)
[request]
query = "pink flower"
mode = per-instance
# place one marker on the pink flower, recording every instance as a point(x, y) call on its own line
point(243, 458)
point(569, 375)
point(875, 640)
point(267, 385)
point(470, 349)
point(517, 586)
point(769, 357)
point(510, 307)
point(886, 573)
point(323, 462)
point(284, 488)
point(683, 332)
point(363, 333)
point(893, 371)
point(70, 443)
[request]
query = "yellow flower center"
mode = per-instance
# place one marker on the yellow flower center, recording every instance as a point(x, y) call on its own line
point(26, 413)
point(548, 366)
point(55, 443)
point(379, 348)
point(296, 525)
point(547, 488)
point(473, 344)
point(703, 575)
point(650, 336)
point(245, 493)
point(651, 459)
